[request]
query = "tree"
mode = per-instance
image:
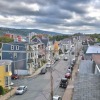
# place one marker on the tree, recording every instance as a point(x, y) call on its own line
point(1, 90)
point(6, 39)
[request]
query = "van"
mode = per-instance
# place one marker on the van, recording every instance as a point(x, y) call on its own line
point(63, 83)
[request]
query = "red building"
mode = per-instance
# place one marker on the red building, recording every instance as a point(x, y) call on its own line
point(19, 38)
point(9, 35)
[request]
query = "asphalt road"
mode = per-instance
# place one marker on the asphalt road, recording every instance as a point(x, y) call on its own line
point(39, 86)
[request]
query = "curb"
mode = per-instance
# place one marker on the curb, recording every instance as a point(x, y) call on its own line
point(69, 91)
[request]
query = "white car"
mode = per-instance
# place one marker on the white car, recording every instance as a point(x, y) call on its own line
point(11, 84)
point(21, 89)
point(57, 97)
point(48, 65)
point(65, 58)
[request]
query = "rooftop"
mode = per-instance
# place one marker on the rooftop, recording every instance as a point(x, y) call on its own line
point(87, 84)
point(86, 67)
point(93, 49)
point(87, 87)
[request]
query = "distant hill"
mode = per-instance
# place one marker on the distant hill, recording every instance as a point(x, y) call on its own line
point(25, 32)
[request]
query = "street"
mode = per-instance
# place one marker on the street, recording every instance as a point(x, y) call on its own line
point(39, 86)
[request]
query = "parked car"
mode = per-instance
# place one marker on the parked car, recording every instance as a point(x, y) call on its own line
point(67, 52)
point(72, 63)
point(69, 70)
point(14, 76)
point(48, 65)
point(82, 57)
point(21, 89)
point(72, 52)
point(63, 83)
point(68, 75)
point(74, 60)
point(65, 58)
point(11, 84)
point(57, 97)
point(43, 71)
point(57, 58)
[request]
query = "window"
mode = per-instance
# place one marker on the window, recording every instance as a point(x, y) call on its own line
point(35, 61)
point(28, 55)
point(15, 55)
point(6, 68)
point(17, 47)
point(6, 81)
point(31, 54)
point(12, 47)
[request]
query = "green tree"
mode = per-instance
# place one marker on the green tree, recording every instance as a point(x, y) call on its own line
point(6, 39)
point(33, 37)
point(1, 90)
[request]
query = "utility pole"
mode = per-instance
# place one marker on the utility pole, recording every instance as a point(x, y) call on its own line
point(70, 52)
point(51, 79)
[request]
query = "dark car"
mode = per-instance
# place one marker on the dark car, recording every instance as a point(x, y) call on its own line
point(14, 76)
point(72, 63)
point(63, 83)
point(68, 75)
point(43, 71)
point(72, 53)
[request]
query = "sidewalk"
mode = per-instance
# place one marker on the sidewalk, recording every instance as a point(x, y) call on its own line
point(8, 95)
point(12, 92)
point(69, 90)
point(35, 73)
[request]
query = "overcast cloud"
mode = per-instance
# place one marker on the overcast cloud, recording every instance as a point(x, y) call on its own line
point(64, 16)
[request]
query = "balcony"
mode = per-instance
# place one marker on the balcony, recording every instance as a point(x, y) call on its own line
point(30, 61)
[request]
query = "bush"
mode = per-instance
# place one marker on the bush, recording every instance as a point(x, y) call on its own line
point(6, 90)
point(1, 90)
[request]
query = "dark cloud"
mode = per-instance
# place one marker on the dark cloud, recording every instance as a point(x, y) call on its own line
point(74, 6)
point(52, 13)
point(53, 21)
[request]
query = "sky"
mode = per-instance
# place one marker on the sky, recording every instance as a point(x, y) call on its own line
point(63, 16)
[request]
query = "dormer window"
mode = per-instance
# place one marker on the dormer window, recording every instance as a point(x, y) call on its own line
point(17, 47)
point(12, 47)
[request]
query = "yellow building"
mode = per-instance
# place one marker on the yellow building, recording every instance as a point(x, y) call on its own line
point(5, 72)
point(56, 47)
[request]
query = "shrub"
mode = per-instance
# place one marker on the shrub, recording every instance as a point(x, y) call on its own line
point(1, 90)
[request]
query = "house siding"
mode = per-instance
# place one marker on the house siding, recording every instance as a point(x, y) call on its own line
point(20, 58)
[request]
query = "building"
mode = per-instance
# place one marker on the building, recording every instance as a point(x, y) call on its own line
point(41, 49)
point(9, 35)
point(96, 60)
point(92, 50)
point(87, 83)
point(22, 55)
point(5, 72)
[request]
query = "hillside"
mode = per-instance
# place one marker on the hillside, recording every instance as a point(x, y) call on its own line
point(24, 32)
